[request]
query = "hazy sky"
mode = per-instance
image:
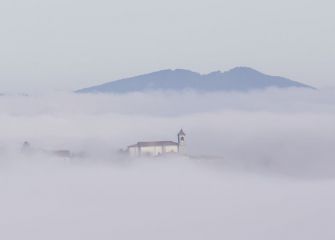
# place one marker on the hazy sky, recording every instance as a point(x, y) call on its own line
point(68, 44)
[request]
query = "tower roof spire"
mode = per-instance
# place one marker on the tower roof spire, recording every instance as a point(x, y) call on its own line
point(181, 132)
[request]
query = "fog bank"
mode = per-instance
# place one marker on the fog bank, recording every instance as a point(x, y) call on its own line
point(259, 166)
point(288, 131)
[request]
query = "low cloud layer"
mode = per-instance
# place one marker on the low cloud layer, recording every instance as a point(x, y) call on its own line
point(288, 130)
point(260, 167)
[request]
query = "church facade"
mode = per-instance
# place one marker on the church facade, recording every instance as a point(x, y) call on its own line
point(159, 147)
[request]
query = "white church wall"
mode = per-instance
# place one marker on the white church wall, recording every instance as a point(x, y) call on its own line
point(171, 149)
point(152, 150)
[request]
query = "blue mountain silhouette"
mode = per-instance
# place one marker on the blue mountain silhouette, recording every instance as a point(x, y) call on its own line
point(237, 79)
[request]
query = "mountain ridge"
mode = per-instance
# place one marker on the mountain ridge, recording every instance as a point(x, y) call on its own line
point(236, 79)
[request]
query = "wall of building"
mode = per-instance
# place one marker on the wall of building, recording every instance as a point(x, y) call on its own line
point(152, 150)
point(171, 149)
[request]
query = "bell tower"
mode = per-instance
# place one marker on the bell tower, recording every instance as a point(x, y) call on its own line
point(181, 141)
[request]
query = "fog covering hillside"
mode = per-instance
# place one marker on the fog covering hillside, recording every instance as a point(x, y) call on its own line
point(237, 79)
point(261, 166)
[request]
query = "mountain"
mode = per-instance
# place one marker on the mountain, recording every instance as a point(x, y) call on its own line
point(237, 79)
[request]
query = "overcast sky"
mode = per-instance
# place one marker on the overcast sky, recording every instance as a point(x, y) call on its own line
point(49, 45)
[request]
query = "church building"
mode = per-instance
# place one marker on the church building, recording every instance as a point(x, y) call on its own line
point(158, 148)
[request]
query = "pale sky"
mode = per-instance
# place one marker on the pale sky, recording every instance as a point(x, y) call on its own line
point(61, 45)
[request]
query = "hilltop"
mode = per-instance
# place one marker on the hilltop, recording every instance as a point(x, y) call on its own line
point(236, 79)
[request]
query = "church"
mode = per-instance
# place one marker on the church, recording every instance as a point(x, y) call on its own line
point(158, 148)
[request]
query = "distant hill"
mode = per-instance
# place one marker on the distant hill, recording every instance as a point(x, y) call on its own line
point(237, 79)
